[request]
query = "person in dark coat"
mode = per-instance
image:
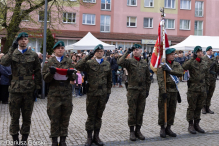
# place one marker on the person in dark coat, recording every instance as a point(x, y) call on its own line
point(114, 67)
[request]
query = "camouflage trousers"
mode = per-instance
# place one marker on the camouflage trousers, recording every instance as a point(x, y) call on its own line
point(95, 105)
point(171, 108)
point(136, 101)
point(20, 102)
point(195, 104)
point(210, 94)
point(59, 110)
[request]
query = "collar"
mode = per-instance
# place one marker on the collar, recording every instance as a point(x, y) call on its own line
point(99, 60)
point(22, 51)
point(137, 58)
point(198, 59)
point(59, 58)
point(209, 56)
point(170, 62)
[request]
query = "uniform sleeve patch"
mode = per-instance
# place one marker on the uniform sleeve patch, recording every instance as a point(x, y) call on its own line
point(46, 61)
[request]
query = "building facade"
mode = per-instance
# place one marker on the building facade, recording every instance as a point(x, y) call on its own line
point(125, 22)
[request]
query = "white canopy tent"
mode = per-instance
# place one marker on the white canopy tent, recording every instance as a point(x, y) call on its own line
point(89, 42)
point(204, 41)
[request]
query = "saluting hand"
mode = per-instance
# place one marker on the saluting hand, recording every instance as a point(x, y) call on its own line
point(91, 54)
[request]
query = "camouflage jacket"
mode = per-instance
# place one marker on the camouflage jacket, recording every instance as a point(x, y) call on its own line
point(138, 73)
point(61, 87)
point(199, 75)
point(177, 70)
point(99, 76)
point(23, 67)
point(213, 67)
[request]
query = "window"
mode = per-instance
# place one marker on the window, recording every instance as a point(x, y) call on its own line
point(185, 24)
point(198, 27)
point(89, 1)
point(185, 4)
point(69, 17)
point(89, 19)
point(169, 23)
point(199, 9)
point(148, 22)
point(105, 23)
point(131, 21)
point(105, 4)
point(131, 2)
point(149, 3)
point(41, 16)
point(169, 4)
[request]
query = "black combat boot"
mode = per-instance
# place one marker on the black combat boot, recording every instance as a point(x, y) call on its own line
point(208, 110)
point(191, 128)
point(54, 141)
point(138, 133)
point(15, 140)
point(169, 131)
point(132, 134)
point(62, 141)
point(204, 110)
point(89, 138)
point(96, 138)
point(162, 132)
point(197, 127)
point(24, 140)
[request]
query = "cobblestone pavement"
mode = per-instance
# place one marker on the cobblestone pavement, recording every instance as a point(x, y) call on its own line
point(115, 130)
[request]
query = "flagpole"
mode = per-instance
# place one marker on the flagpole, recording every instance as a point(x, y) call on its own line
point(164, 62)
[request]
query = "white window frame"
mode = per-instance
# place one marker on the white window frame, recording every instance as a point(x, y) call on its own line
point(166, 23)
point(86, 19)
point(183, 25)
point(43, 14)
point(72, 0)
point(105, 16)
point(28, 16)
point(197, 27)
point(149, 20)
point(89, 1)
point(67, 18)
point(129, 21)
point(199, 10)
point(187, 4)
point(130, 4)
point(105, 6)
point(166, 1)
point(149, 4)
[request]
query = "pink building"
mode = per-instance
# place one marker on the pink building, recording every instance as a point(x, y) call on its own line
point(125, 22)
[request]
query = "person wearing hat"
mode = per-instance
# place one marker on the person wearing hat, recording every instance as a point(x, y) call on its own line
point(26, 77)
point(198, 86)
point(58, 71)
point(99, 77)
point(138, 89)
point(171, 94)
point(213, 69)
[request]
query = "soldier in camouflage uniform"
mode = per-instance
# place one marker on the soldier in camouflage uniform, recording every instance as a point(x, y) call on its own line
point(99, 78)
point(213, 68)
point(138, 89)
point(171, 93)
point(58, 72)
point(198, 86)
point(26, 77)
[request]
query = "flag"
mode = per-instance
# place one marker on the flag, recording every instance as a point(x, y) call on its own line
point(157, 54)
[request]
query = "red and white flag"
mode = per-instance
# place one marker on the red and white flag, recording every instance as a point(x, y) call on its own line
point(157, 54)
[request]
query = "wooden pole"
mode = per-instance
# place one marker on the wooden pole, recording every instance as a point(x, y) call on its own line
point(164, 62)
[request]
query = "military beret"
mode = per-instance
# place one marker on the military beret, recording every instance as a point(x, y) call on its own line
point(170, 50)
point(59, 43)
point(208, 48)
point(137, 46)
point(197, 48)
point(98, 47)
point(22, 34)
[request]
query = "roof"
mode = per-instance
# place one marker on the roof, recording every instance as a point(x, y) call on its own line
point(100, 35)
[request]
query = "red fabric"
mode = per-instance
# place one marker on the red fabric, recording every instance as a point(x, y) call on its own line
point(61, 71)
point(170, 62)
point(198, 59)
point(137, 58)
point(158, 49)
